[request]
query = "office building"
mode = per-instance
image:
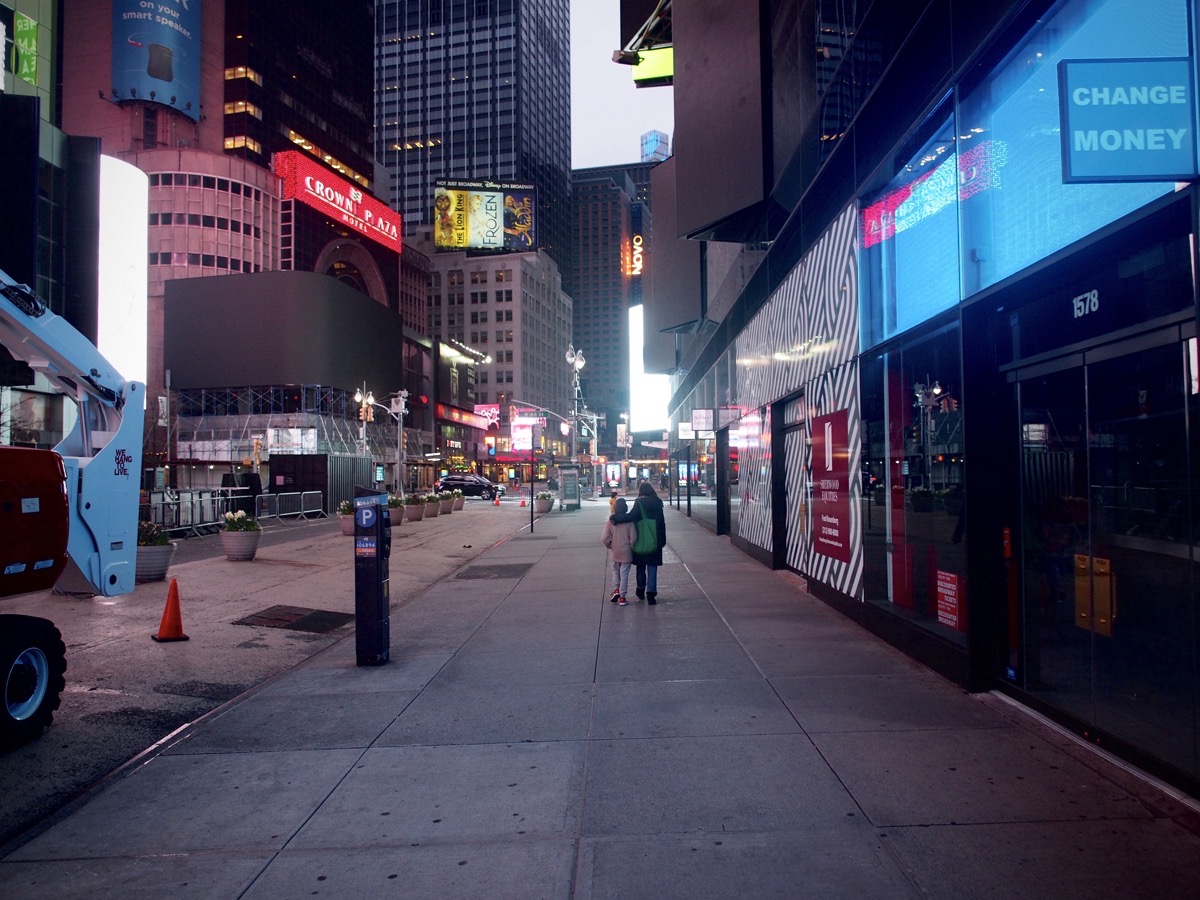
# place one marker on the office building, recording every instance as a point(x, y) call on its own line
point(472, 91)
point(253, 122)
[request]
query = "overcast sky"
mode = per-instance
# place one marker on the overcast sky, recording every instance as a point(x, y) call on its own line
point(608, 114)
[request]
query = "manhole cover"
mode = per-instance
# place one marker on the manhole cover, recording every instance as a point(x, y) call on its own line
point(509, 570)
point(298, 618)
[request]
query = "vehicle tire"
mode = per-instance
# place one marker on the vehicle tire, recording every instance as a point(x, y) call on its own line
point(33, 660)
point(487, 495)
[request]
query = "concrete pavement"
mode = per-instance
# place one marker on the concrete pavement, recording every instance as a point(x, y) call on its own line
point(531, 739)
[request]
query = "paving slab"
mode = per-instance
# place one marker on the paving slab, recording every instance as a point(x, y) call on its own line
point(398, 796)
point(517, 870)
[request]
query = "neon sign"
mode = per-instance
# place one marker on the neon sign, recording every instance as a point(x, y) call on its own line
point(304, 179)
point(638, 242)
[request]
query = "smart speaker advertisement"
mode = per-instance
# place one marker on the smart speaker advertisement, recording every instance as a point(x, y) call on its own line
point(156, 53)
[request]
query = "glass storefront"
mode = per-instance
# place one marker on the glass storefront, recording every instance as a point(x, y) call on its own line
point(913, 502)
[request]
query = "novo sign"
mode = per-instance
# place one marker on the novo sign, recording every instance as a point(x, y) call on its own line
point(1127, 119)
point(306, 180)
point(638, 251)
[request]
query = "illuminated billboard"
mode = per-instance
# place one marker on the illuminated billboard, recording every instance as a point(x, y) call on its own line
point(484, 215)
point(306, 180)
point(156, 53)
point(650, 393)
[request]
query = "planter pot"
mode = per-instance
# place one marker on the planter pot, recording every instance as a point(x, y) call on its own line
point(346, 523)
point(543, 506)
point(922, 503)
point(414, 513)
point(446, 506)
point(240, 546)
point(153, 562)
point(432, 509)
point(459, 501)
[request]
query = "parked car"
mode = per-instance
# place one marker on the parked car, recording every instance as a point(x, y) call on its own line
point(470, 485)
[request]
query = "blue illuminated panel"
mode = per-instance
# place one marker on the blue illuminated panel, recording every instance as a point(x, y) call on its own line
point(1127, 120)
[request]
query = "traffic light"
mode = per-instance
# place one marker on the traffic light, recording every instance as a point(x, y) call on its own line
point(949, 404)
point(362, 413)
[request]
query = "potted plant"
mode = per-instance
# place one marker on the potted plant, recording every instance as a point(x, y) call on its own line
point(345, 517)
point(240, 536)
point(414, 508)
point(446, 502)
point(543, 502)
point(154, 552)
point(459, 498)
point(921, 499)
point(432, 505)
point(397, 509)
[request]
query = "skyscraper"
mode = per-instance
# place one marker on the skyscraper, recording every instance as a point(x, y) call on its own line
point(476, 90)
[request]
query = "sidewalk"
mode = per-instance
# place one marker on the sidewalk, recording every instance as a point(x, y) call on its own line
point(530, 739)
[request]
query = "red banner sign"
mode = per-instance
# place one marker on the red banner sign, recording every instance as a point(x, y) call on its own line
point(831, 486)
point(306, 180)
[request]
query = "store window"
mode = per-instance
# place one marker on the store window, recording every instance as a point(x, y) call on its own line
point(914, 505)
point(908, 235)
point(1015, 208)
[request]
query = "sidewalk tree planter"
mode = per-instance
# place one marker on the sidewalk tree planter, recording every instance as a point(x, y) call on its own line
point(240, 537)
point(432, 505)
point(459, 499)
point(446, 503)
point(414, 508)
point(345, 517)
point(921, 499)
point(397, 507)
point(154, 553)
point(543, 502)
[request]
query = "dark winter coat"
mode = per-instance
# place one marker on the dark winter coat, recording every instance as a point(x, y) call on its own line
point(651, 508)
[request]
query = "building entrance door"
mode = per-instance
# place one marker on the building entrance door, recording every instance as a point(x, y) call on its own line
point(1106, 612)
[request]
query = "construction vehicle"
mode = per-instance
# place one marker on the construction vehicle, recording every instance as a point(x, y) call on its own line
point(67, 515)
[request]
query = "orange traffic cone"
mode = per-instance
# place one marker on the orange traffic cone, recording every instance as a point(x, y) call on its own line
point(522, 501)
point(171, 626)
point(495, 500)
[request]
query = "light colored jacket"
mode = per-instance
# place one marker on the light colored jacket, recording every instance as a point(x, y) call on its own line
point(619, 541)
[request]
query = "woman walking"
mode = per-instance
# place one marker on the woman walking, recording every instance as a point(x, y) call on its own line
point(647, 506)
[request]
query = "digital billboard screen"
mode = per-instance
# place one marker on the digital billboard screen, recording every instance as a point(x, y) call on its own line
point(156, 53)
point(484, 215)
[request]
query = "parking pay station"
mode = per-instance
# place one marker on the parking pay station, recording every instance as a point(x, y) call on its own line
point(372, 548)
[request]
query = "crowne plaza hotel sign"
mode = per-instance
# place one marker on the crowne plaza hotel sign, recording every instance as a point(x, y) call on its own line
point(306, 180)
point(1127, 119)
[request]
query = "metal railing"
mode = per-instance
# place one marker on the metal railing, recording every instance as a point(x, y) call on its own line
point(301, 505)
point(202, 511)
point(197, 511)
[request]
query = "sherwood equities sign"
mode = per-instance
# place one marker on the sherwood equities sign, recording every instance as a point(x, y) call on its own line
point(1127, 119)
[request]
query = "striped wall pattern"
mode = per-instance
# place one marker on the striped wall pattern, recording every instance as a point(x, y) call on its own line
point(805, 338)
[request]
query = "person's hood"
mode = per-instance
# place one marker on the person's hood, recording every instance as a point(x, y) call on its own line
point(651, 502)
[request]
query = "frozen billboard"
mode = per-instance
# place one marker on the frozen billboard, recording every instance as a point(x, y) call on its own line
point(484, 215)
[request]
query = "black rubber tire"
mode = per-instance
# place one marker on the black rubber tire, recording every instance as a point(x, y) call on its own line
point(487, 495)
point(33, 661)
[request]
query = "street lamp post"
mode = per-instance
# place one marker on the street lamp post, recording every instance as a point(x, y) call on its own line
point(366, 413)
point(927, 398)
point(576, 361)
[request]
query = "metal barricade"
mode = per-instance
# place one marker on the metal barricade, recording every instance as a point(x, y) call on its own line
point(297, 505)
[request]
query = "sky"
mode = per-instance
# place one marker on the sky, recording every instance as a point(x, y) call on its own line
point(608, 114)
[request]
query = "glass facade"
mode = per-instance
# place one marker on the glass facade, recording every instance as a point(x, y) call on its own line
point(1045, 328)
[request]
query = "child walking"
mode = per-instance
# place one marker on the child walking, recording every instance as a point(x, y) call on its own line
point(619, 541)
